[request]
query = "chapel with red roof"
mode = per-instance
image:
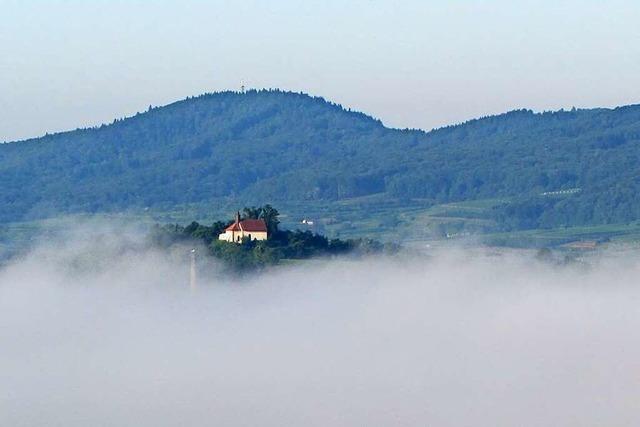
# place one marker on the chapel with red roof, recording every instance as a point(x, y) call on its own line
point(253, 229)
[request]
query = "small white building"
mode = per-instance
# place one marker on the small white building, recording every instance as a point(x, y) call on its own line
point(253, 229)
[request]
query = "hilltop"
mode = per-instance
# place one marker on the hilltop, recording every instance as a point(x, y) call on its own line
point(544, 170)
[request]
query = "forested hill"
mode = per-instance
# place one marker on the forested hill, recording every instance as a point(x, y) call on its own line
point(272, 145)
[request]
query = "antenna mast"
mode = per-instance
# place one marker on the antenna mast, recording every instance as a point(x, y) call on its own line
point(192, 273)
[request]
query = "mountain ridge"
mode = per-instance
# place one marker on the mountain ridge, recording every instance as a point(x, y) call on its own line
point(270, 145)
point(203, 96)
point(321, 98)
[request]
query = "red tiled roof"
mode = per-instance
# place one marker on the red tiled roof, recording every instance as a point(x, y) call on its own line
point(249, 225)
point(233, 227)
point(253, 225)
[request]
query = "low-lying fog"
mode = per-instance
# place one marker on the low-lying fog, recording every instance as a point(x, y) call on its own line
point(94, 334)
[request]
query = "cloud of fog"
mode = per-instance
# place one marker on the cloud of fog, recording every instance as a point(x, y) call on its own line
point(99, 331)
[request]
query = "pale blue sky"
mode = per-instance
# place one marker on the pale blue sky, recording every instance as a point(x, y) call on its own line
point(66, 64)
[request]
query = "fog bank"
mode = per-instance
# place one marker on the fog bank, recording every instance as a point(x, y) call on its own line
point(103, 334)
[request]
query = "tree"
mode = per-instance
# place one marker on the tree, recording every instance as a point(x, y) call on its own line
point(270, 216)
point(251, 212)
point(219, 227)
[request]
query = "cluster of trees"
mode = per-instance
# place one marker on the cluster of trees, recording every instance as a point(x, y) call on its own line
point(273, 145)
point(267, 213)
point(251, 254)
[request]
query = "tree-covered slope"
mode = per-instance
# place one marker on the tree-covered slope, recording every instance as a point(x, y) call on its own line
point(273, 145)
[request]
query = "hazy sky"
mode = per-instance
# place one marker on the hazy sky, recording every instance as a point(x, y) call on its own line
point(414, 63)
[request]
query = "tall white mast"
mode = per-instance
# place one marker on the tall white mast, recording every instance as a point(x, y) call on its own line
point(192, 275)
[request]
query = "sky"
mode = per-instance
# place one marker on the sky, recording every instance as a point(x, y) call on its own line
point(419, 64)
